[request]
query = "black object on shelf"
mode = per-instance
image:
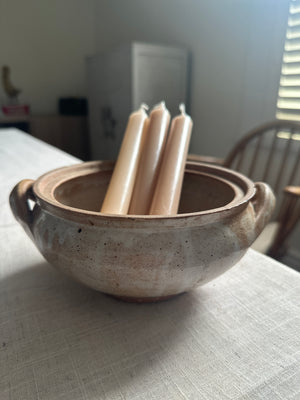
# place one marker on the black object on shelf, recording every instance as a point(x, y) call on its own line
point(72, 106)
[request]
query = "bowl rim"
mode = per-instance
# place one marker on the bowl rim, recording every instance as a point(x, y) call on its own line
point(44, 188)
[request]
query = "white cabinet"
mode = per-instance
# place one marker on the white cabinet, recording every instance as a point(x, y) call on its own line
point(120, 80)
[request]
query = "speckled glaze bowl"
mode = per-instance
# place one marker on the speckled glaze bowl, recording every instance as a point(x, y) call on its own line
point(142, 258)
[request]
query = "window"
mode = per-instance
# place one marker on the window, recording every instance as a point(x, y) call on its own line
point(288, 103)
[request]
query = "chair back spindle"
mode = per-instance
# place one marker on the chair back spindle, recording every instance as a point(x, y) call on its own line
point(295, 168)
point(270, 156)
point(283, 162)
point(255, 156)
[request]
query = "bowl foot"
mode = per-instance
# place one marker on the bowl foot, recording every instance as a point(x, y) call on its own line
point(144, 299)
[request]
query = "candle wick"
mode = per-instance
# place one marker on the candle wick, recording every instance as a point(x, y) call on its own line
point(144, 106)
point(162, 104)
point(182, 108)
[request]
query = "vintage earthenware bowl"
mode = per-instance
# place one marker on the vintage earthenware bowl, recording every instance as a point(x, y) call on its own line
point(142, 258)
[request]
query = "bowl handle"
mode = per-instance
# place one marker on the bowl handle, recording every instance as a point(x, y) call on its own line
point(19, 204)
point(264, 204)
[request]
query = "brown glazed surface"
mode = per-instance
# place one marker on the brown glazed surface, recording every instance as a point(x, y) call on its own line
point(142, 258)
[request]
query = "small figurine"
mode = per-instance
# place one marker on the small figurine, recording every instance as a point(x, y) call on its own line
point(8, 87)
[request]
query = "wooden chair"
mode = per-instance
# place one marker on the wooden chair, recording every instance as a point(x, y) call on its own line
point(270, 153)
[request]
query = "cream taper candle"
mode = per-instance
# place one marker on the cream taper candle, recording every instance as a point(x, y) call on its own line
point(119, 192)
point(147, 174)
point(168, 188)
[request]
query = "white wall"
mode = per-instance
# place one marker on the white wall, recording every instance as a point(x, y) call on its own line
point(45, 42)
point(236, 47)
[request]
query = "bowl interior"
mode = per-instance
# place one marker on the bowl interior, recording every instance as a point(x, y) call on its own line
point(200, 191)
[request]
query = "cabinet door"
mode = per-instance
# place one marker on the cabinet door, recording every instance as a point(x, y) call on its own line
point(68, 133)
point(159, 73)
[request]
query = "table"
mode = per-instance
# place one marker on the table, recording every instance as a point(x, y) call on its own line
point(234, 338)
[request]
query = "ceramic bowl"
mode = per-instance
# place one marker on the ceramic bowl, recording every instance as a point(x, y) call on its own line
point(142, 258)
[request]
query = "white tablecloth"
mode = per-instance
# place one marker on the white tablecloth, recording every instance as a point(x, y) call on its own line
point(235, 338)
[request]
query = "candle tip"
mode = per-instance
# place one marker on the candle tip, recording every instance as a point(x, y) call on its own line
point(162, 105)
point(144, 106)
point(182, 108)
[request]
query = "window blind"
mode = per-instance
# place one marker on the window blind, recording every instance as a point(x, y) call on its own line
point(288, 103)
